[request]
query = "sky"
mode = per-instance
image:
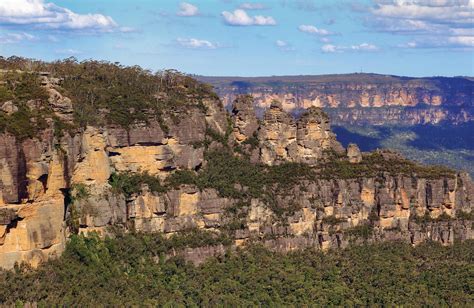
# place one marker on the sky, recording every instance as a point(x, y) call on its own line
point(248, 38)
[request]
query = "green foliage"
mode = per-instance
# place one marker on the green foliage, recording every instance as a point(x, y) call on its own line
point(181, 177)
point(29, 98)
point(465, 215)
point(72, 218)
point(129, 183)
point(216, 136)
point(426, 218)
point(332, 220)
point(60, 127)
point(23, 123)
point(79, 192)
point(133, 270)
point(21, 87)
point(104, 92)
point(252, 141)
point(224, 171)
point(361, 231)
point(375, 164)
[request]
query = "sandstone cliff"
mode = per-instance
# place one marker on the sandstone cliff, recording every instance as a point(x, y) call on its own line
point(287, 183)
point(359, 98)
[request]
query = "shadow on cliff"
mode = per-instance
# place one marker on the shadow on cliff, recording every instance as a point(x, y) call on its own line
point(365, 143)
point(425, 137)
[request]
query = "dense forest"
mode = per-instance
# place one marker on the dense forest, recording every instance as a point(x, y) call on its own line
point(135, 270)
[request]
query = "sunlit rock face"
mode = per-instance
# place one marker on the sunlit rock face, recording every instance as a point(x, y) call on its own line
point(304, 140)
point(244, 118)
point(39, 177)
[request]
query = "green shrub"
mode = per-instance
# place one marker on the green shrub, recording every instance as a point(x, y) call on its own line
point(464, 215)
point(129, 183)
point(332, 220)
point(361, 231)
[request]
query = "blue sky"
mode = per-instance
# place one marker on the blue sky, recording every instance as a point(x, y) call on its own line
point(249, 38)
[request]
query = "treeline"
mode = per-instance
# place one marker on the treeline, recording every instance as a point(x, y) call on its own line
point(135, 270)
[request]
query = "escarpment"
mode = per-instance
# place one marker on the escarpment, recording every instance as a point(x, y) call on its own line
point(359, 98)
point(183, 163)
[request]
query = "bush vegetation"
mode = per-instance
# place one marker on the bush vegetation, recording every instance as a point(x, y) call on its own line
point(19, 89)
point(134, 270)
point(123, 95)
point(374, 164)
point(129, 183)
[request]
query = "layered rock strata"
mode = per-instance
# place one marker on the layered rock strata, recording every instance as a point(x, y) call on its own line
point(360, 98)
point(39, 174)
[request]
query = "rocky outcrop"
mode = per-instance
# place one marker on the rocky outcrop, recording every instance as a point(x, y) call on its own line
point(55, 184)
point(353, 153)
point(304, 141)
point(244, 118)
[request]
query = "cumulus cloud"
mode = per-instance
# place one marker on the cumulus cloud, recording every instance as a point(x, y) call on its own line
point(252, 6)
point(13, 38)
point(51, 16)
point(437, 23)
point(436, 12)
point(313, 30)
point(330, 48)
point(194, 43)
point(241, 18)
point(187, 10)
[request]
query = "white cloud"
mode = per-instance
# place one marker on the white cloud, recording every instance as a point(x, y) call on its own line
point(252, 6)
point(330, 48)
point(241, 18)
point(284, 45)
point(194, 43)
point(364, 47)
point(459, 42)
point(69, 52)
point(454, 12)
point(313, 30)
point(49, 15)
point(187, 10)
point(467, 41)
point(437, 23)
point(13, 38)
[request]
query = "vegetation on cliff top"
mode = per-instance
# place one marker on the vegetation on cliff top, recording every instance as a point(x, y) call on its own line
point(133, 270)
point(103, 92)
point(19, 89)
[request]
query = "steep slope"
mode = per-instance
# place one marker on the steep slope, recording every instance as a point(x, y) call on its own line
point(92, 146)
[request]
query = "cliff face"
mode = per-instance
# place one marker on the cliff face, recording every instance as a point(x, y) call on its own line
point(55, 184)
point(359, 97)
